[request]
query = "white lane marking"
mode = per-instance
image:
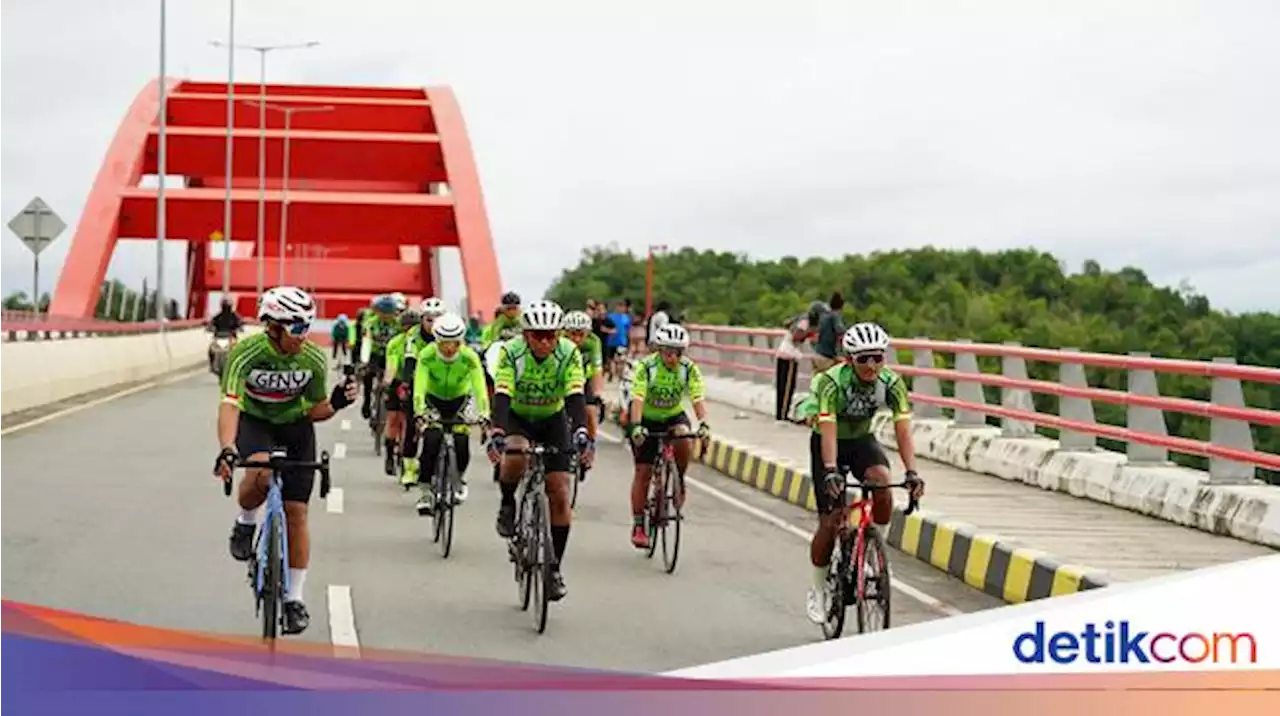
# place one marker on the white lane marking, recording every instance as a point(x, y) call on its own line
point(104, 399)
point(339, 451)
point(342, 622)
point(344, 425)
point(334, 502)
point(907, 589)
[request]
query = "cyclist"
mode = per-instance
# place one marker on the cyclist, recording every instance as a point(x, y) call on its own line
point(378, 327)
point(659, 386)
point(398, 390)
point(226, 324)
point(539, 380)
point(448, 375)
point(415, 340)
point(273, 393)
point(340, 336)
point(847, 396)
point(577, 328)
point(505, 326)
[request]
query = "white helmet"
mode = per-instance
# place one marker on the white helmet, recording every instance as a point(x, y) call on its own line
point(541, 316)
point(865, 337)
point(671, 335)
point(449, 327)
point(286, 304)
point(577, 321)
point(432, 308)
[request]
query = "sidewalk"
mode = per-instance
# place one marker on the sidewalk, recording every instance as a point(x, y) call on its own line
point(1007, 538)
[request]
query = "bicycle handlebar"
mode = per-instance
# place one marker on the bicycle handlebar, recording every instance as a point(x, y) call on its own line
point(278, 463)
point(866, 488)
point(534, 450)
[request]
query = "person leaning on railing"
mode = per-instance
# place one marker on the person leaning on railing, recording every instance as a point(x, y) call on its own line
point(824, 318)
point(788, 363)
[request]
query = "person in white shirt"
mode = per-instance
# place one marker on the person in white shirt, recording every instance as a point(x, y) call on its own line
point(788, 363)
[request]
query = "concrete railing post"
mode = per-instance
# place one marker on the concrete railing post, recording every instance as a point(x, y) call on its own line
point(925, 385)
point(1079, 409)
point(1142, 381)
point(969, 391)
point(1015, 398)
point(1229, 433)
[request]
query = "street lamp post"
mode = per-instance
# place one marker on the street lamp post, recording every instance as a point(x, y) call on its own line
point(262, 51)
point(648, 279)
point(231, 120)
point(161, 169)
point(288, 113)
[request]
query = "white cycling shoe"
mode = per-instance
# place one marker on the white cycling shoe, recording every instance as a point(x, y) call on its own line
point(817, 604)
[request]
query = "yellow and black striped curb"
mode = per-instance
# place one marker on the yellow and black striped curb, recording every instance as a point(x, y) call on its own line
point(984, 561)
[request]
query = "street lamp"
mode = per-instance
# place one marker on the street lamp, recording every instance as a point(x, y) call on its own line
point(288, 113)
point(648, 279)
point(161, 169)
point(231, 120)
point(262, 51)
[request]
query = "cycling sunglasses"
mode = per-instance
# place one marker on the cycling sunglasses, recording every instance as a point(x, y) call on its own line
point(677, 352)
point(866, 358)
point(295, 328)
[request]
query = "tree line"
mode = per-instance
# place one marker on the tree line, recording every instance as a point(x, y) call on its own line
point(990, 297)
point(116, 302)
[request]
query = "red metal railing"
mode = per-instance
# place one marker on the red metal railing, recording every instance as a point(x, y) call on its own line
point(1249, 373)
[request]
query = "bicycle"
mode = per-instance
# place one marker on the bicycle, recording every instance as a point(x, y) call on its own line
point(378, 417)
point(662, 509)
point(859, 551)
point(444, 486)
point(268, 568)
point(530, 548)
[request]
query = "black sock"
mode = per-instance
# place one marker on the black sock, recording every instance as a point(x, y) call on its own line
point(508, 494)
point(559, 538)
point(391, 446)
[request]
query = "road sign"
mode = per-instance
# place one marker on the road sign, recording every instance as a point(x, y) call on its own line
point(37, 226)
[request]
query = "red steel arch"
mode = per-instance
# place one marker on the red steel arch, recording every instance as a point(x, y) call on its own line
point(378, 183)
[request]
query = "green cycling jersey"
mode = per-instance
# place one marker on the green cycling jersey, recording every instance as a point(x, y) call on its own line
point(449, 380)
point(406, 344)
point(592, 356)
point(843, 398)
point(501, 329)
point(377, 331)
point(275, 387)
point(537, 388)
point(663, 389)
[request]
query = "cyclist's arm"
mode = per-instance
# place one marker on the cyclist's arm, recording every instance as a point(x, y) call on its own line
point(317, 393)
point(233, 384)
point(395, 356)
point(697, 392)
point(639, 389)
point(825, 388)
point(575, 401)
point(479, 389)
point(421, 384)
point(504, 381)
point(366, 341)
point(490, 333)
point(900, 406)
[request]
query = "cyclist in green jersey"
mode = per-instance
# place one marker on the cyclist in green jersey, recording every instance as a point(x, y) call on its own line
point(449, 374)
point(400, 400)
point(379, 326)
point(660, 383)
point(505, 325)
point(538, 381)
point(397, 392)
point(577, 328)
point(847, 396)
point(273, 392)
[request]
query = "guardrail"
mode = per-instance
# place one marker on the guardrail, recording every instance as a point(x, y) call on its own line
point(749, 353)
point(27, 325)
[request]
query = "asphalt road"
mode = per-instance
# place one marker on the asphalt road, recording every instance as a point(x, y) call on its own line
point(112, 511)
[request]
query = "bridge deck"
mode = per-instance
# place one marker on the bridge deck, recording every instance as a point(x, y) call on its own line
point(1128, 545)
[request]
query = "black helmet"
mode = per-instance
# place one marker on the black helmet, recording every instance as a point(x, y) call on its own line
point(511, 298)
point(409, 318)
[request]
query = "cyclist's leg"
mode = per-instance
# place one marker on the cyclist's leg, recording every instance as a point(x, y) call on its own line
point(644, 457)
point(409, 442)
point(511, 468)
point(432, 435)
point(254, 440)
point(375, 366)
point(823, 542)
point(488, 381)
point(300, 439)
point(554, 432)
point(679, 425)
point(391, 431)
point(868, 461)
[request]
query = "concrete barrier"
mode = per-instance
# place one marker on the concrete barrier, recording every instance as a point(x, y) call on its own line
point(36, 373)
point(1169, 492)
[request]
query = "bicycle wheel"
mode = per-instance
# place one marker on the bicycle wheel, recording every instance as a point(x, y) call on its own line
point(272, 579)
point(653, 508)
point(837, 582)
point(520, 552)
point(543, 561)
point(874, 587)
point(671, 519)
point(444, 501)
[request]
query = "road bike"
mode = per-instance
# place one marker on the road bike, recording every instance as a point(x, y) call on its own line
point(268, 568)
point(444, 486)
point(378, 416)
point(666, 491)
point(859, 574)
point(530, 548)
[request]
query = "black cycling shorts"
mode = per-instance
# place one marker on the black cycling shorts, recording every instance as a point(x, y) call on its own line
point(856, 454)
point(551, 431)
point(255, 435)
point(647, 453)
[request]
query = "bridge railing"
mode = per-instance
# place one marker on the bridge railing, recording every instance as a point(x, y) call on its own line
point(749, 354)
point(28, 325)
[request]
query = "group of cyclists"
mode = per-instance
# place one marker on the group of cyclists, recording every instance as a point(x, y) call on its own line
point(535, 374)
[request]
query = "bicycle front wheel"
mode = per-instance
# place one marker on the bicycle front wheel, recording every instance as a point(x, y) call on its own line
point(543, 560)
point(837, 588)
point(444, 500)
point(272, 579)
point(671, 519)
point(873, 584)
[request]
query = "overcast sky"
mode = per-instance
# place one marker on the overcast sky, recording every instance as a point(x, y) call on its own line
point(1141, 132)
